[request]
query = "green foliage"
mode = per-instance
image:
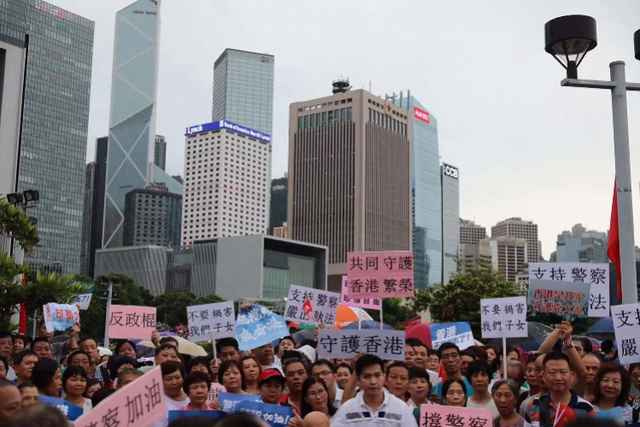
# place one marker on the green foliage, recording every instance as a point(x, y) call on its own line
point(396, 312)
point(15, 223)
point(11, 293)
point(48, 288)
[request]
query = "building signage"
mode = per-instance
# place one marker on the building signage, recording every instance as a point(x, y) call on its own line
point(421, 115)
point(450, 171)
point(225, 124)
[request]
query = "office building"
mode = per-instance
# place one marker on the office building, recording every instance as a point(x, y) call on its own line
point(282, 231)
point(51, 150)
point(471, 233)
point(243, 89)
point(518, 228)
point(505, 255)
point(227, 177)
point(160, 152)
point(349, 175)
point(450, 220)
point(278, 203)
point(133, 111)
point(581, 245)
point(426, 203)
point(87, 218)
point(152, 216)
point(469, 250)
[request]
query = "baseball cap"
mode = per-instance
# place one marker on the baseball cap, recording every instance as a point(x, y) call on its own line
point(269, 374)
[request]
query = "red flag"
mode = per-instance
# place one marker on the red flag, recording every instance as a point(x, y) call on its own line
point(307, 306)
point(613, 246)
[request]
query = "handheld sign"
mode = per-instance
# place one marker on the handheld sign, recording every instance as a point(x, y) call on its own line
point(82, 301)
point(385, 274)
point(504, 317)
point(229, 401)
point(131, 322)
point(346, 343)
point(626, 324)
point(211, 321)
point(71, 411)
point(310, 305)
point(440, 416)
point(564, 299)
point(274, 415)
point(458, 333)
point(257, 326)
point(60, 317)
point(372, 303)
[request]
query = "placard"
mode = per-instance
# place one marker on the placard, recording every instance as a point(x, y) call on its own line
point(626, 324)
point(458, 333)
point(371, 303)
point(441, 416)
point(68, 409)
point(309, 305)
point(60, 317)
point(257, 326)
point(211, 321)
point(385, 274)
point(82, 301)
point(344, 344)
point(139, 403)
point(504, 317)
point(228, 401)
point(131, 321)
point(274, 415)
point(594, 274)
point(561, 298)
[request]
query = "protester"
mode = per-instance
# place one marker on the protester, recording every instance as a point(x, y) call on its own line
point(505, 395)
point(450, 359)
point(23, 364)
point(20, 343)
point(343, 374)
point(93, 385)
point(296, 373)
point(10, 401)
point(38, 415)
point(586, 385)
point(250, 373)
point(42, 348)
point(126, 376)
point(118, 363)
point(326, 371)
point(409, 353)
point(172, 341)
point(286, 344)
point(166, 353)
point(231, 377)
point(228, 349)
point(397, 380)
point(6, 345)
point(516, 372)
point(454, 393)
point(127, 349)
point(612, 393)
point(419, 387)
point(315, 397)
point(478, 376)
point(266, 358)
point(531, 375)
point(421, 358)
point(47, 376)
point(74, 385)
point(174, 396)
point(608, 351)
point(433, 361)
point(383, 408)
point(90, 346)
point(466, 358)
point(4, 367)
point(28, 394)
point(271, 384)
point(214, 365)
point(196, 386)
point(316, 419)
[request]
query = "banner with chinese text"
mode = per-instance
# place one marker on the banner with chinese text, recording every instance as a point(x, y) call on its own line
point(131, 321)
point(626, 324)
point(338, 344)
point(504, 317)
point(309, 305)
point(211, 321)
point(385, 274)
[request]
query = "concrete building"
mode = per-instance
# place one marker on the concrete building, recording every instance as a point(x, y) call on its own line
point(152, 216)
point(426, 191)
point(278, 203)
point(471, 233)
point(243, 89)
point(469, 251)
point(133, 111)
point(87, 219)
point(349, 175)
point(505, 255)
point(450, 220)
point(581, 245)
point(160, 152)
point(518, 228)
point(282, 231)
point(227, 177)
point(47, 152)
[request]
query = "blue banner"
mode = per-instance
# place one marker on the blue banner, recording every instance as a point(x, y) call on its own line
point(71, 411)
point(274, 415)
point(458, 333)
point(229, 401)
point(213, 415)
point(257, 326)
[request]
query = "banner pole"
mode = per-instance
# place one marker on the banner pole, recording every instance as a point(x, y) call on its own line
point(504, 357)
point(381, 317)
point(213, 345)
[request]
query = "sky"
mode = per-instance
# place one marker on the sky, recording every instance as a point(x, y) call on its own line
point(524, 145)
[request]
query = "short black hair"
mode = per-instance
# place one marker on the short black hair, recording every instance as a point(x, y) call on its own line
point(163, 347)
point(170, 367)
point(227, 342)
point(448, 383)
point(415, 372)
point(199, 360)
point(397, 364)
point(165, 340)
point(121, 343)
point(325, 362)
point(43, 372)
point(25, 384)
point(24, 338)
point(448, 346)
point(5, 334)
point(366, 361)
point(73, 371)
point(414, 342)
point(477, 367)
point(345, 365)
point(74, 354)
point(226, 365)
point(17, 358)
point(124, 373)
point(116, 362)
point(87, 338)
point(556, 355)
point(291, 360)
point(195, 378)
point(40, 339)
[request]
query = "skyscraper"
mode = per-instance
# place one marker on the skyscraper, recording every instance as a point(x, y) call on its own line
point(55, 118)
point(278, 203)
point(87, 218)
point(243, 89)
point(469, 251)
point(426, 203)
point(581, 245)
point(160, 152)
point(349, 175)
point(227, 176)
point(516, 227)
point(505, 255)
point(450, 220)
point(133, 110)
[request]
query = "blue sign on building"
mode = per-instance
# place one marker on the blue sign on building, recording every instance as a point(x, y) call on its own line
point(226, 124)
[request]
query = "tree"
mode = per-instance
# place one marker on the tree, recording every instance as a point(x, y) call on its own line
point(459, 300)
point(14, 223)
point(46, 288)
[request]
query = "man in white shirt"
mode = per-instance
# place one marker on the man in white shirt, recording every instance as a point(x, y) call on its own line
point(373, 405)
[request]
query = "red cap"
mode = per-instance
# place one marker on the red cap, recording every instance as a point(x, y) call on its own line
point(268, 374)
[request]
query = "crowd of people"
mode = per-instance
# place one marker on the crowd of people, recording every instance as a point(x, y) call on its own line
point(566, 382)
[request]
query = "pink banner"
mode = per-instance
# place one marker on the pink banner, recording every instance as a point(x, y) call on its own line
point(367, 302)
point(385, 274)
point(140, 403)
point(131, 321)
point(438, 416)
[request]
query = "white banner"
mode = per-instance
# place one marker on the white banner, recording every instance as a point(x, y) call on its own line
point(504, 317)
point(82, 301)
point(211, 321)
point(346, 343)
point(626, 323)
point(309, 305)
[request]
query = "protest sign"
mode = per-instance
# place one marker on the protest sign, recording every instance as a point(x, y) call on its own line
point(60, 317)
point(372, 303)
point(564, 299)
point(131, 321)
point(311, 305)
point(440, 416)
point(504, 317)
point(228, 401)
point(274, 415)
point(140, 403)
point(385, 274)
point(594, 274)
point(212, 415)
point(82, 301)
point(343, 344)
point(211, 321)
point(458, 333)
point(257, 326)
point(68, 409)
point(626, 324)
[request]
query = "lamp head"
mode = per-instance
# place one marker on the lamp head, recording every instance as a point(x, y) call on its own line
point(568, 39)
point(636, 44)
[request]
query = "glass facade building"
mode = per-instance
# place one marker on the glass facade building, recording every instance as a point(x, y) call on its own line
point(243, 89)
point(450, 221)
point(55, 121)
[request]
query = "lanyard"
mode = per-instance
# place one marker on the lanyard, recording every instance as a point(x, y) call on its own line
point(557, 416)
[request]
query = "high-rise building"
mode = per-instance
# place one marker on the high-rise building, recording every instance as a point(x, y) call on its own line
point(227, 176)
point(581, 245)
point(450, 220)
point(55, 116)
point(243, 89)
point(278, 204)
point(152, 216)
point(349, 175)
point(87, 218)
point(133, 111)
point(469, 251)
point(505, 255)
point(426, 203)
point(516, 227)
point(471, 233)
point(160, 152)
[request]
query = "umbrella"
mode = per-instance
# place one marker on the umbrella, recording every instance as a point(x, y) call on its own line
point(537, 332)
point(603, 327)
point(367, 324)
point(184, 347)
point(346, 314)
point(421, 331)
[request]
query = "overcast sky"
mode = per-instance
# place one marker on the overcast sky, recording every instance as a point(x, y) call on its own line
point(525, 146)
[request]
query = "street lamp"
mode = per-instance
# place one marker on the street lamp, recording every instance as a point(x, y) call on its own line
point(568, 39)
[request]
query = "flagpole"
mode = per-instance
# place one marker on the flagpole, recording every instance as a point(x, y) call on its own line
point(381, 317)
point(504, 357)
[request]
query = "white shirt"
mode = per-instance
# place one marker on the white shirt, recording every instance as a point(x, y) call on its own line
point(172, 405)
point(392, 413)
point(338, 400)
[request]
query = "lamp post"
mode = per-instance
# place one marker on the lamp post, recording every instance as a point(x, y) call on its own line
point(568, 39)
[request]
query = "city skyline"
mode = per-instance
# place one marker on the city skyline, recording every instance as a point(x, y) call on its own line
point(489, 119)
